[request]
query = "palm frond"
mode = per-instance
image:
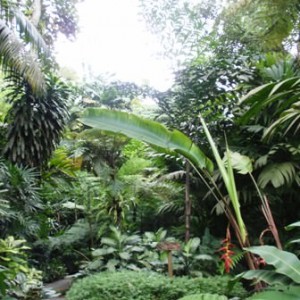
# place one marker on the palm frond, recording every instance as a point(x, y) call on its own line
point(15, 59)
point(289, 118)
point(277, 174)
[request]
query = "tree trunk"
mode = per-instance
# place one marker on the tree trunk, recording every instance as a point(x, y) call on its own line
point(36, 12)
point(188, 203)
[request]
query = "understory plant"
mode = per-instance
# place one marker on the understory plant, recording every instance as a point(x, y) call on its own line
point(17, 279)
point(121, 251)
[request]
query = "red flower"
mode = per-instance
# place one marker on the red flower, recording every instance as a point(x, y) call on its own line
point(227, 252)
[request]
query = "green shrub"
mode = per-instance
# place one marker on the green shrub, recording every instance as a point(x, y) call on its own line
point(127, 285)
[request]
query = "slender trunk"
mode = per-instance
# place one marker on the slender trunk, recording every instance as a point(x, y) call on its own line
point(36, 12)
point(188, 203)
point(91, 233)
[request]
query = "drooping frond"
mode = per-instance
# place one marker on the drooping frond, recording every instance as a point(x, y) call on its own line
point(14, 58)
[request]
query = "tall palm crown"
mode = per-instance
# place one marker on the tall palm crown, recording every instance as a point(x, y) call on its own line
point(21, 46)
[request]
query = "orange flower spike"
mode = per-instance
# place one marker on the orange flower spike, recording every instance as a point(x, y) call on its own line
point(226, 248)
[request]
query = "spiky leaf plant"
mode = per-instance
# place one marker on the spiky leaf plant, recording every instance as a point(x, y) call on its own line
point(35, 123)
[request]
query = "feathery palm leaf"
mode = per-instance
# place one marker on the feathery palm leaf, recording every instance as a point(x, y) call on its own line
point(278, 174)
point(281, 99)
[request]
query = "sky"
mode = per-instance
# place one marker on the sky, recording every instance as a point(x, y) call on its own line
point(113, 39)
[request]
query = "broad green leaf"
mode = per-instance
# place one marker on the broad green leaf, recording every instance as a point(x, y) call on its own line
point(192, 245)
point(268, 276)
point(285, 263)
point(103, 251)
point(125, 255)
point(240, 162)
point(290, 293)
point(148, 131)
point(108, 241)
point(111, 264)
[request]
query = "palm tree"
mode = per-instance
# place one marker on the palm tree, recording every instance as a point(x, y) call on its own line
point(22, 49)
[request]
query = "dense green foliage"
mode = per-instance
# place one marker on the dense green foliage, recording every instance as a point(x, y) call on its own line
point(17, 279)
point(141, 285)
point(76, 198)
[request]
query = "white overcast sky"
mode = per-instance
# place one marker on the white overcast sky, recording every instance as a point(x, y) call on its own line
point(113, 39)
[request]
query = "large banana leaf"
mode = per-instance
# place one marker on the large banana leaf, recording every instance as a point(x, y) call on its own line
point(268, 276)
point(285, 263)
point(290, 293)
point(148, 131)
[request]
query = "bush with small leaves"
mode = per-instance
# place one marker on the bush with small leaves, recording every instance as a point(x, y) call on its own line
point(139, 285)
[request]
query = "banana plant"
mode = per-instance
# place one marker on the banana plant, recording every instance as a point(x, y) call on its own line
point(158, 135)
point(283, 278)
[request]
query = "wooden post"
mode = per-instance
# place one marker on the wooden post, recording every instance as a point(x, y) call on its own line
point(169, 247)
point(170, 265)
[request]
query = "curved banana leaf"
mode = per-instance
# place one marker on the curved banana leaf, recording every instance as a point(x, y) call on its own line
point(285, 263)
point(148, 131)
point(290, 293)
point(268, 276)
